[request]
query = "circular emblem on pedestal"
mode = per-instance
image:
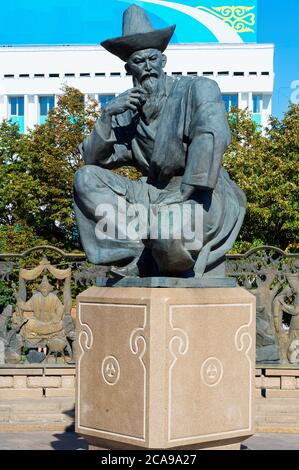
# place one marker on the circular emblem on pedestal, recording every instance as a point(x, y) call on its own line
point(211, 372)
point(110, 370)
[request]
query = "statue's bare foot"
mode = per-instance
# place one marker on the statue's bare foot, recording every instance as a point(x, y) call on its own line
point(130, 270)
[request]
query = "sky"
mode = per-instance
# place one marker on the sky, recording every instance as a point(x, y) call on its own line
point(278, 23)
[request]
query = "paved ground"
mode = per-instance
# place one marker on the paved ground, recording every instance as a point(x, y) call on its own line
point(72, 441)
point(42, 441)
point(273, 442)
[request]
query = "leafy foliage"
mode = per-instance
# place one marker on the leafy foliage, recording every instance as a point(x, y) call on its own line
point(37, 170)
point(266, 168)
point(37, 178)
point(6, 295)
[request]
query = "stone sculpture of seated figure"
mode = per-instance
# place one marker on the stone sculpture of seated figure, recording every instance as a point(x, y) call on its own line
point(46, 325)
point(175, 131)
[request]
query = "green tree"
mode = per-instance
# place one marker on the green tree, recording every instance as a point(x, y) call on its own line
point(36, 182)
point(37, 170)
point(6, 295)
point(9, 161)
point(265, 167)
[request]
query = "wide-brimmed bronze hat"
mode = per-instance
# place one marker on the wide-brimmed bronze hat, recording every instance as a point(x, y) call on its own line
point(137, 34)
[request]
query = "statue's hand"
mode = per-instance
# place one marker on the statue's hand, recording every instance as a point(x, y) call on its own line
point(167, 198)
point(131, 99)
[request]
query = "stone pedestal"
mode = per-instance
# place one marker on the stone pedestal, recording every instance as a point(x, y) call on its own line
point(165, 368)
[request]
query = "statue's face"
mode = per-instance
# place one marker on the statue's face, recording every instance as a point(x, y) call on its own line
point(44, 290)
point(146, 67)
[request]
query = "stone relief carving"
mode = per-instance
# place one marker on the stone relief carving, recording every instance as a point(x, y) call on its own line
point(288, 303)
point(272, 276)
point(11, 344)
point(49, 329)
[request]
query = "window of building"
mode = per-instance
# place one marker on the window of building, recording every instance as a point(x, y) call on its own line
point(266, 74)
point(257, 106)
point(253, 74)
point(115, 74)
point(54, 75)
point(24, 75)
point(223, 74)
point(46, 103)
point(39, 75)
point(192, 73)
point(231, 101)
point(208, 74)
point(239, 74)
point(9, 75)
point(16, 111)
point(100, 74)
point(85, 74)
point(177, 74)
point(105, 99)
point(69, 74)
point(257, 103)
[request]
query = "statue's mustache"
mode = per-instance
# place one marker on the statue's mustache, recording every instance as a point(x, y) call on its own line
point(149, 75)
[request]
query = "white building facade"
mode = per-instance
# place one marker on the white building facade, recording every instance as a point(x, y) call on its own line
point(32, 77)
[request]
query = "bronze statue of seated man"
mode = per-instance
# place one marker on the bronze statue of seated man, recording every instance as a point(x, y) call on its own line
point(175, 131)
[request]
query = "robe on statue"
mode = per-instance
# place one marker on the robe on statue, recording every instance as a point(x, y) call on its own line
point(185, 144)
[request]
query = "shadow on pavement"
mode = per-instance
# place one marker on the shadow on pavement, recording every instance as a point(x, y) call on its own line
point(69, 440)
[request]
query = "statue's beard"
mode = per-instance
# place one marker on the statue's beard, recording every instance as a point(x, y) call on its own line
point(154, 88)
point(150, 84)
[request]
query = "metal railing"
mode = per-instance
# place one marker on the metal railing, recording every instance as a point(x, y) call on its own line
point(268, 272)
